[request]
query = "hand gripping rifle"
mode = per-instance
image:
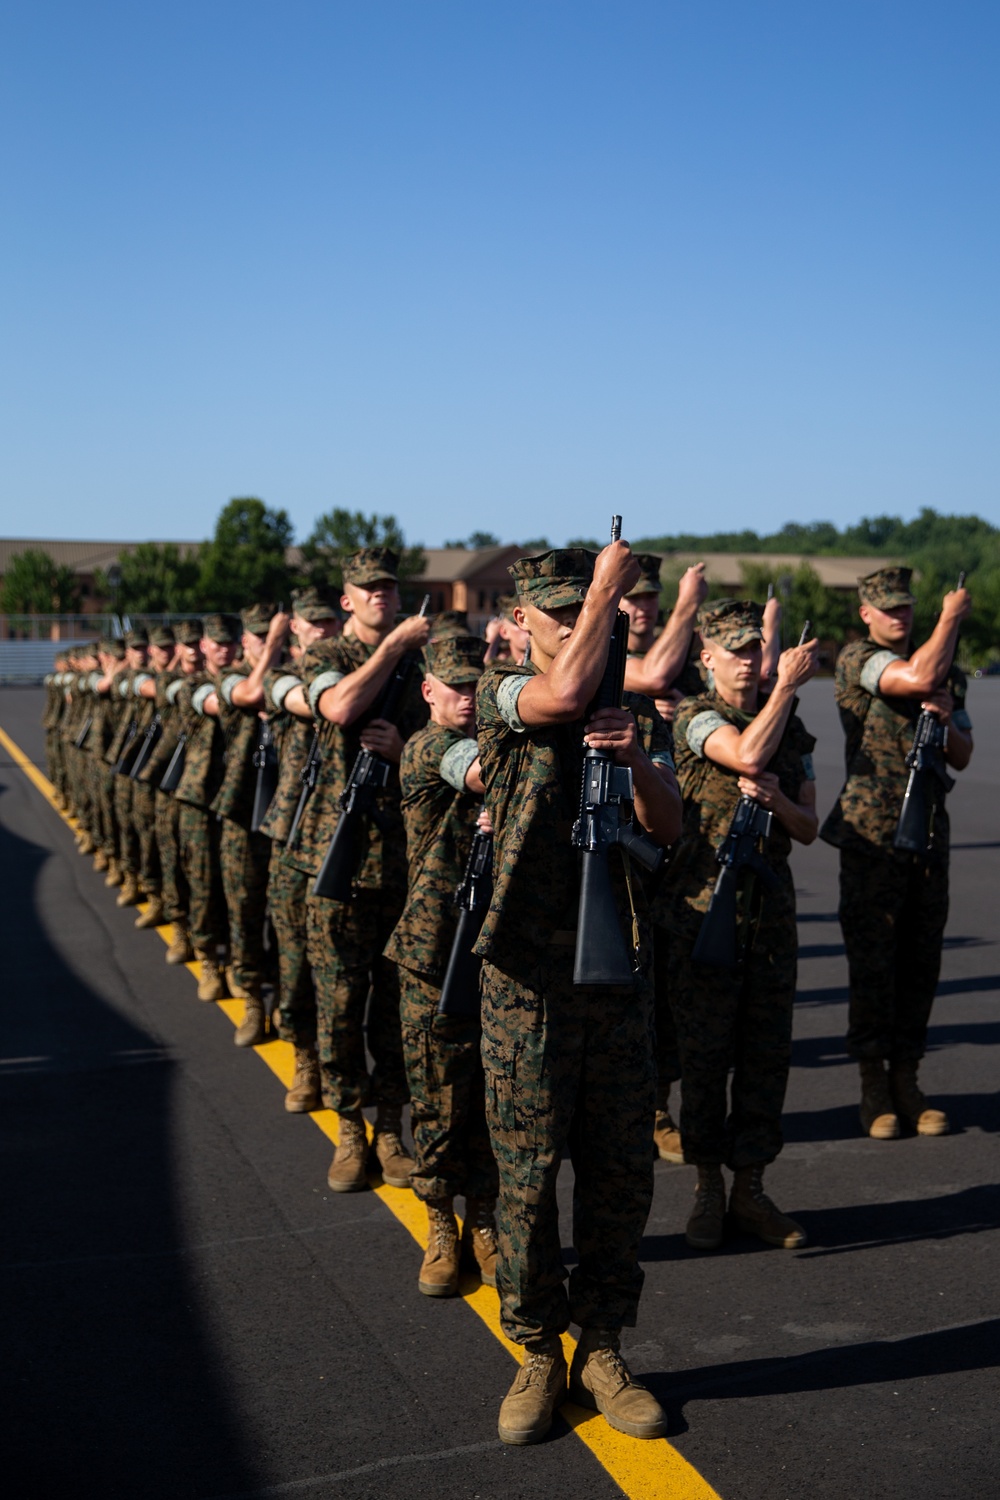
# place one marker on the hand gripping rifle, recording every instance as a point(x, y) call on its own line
point(718, 937)
point(150, 740)
point(925, 759)
point(605, 821)
point(265, 759)
point(460, 990)
point(359, 799)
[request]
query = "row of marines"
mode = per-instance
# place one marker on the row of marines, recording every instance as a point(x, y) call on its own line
point(489, 737)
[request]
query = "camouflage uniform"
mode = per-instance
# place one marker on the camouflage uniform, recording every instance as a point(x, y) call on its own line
point(444, 1071)
point(107, 711)
point(135, 713)
point(143, 790)
point(200, 828)
point(567, 1070)
point(176, 892)
point(346, 939)
point(726, 1019)
point(893, 905)
point(243, 854)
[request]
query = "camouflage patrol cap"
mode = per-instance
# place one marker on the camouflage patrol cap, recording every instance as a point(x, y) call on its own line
point(137, 636)
point(163, 636)
point(456, 659)
point(257, 618)
point(225, 630)
point(110, 645)
point(450, 622)
point(314, 603)
point(886, 588)
point(188, 632)
point(731, 622)
point(371, 565)
point(649, 578)
point(554, 579)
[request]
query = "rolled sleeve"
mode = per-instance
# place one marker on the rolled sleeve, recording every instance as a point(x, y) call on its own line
point(663, 758)
point(173, 688)
point(808, 769)
point(455, 763)
point(138, 680)
point(227, 685)
point(200, 697)
point(319, 685)
point(873, 668)
point(960, 719)
point(508, 693)
point(700, 727)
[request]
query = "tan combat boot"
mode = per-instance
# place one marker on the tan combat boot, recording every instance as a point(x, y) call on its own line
point(87, 845)
point(600, 1380)
point(114, 876)
point(439, 1272)
point(251, 1030)
point(349, 1169)
point(210, 985)
point(180, 950)
point(393, 1157)
point(129, 892)
point(878, 1113)
point(539, 1387)
point(910, 1101)
point(479, 1238)
point(100, 861)
point(152, 916)
point(666, 1137)
point(704, 1227)
point(753, 1212)
point(304, 1096)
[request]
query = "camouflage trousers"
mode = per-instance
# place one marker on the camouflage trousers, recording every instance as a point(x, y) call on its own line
point(568, 1071)
point(144, 814)
point(668, 1062)
point(200, 835)
point(128, 833)
point(740, 1020)
point(447, 1098)
point(103, 796)
point(345, 943)
point(175, 888)
point(244, 858)
point(287, 889)
point(893, 911)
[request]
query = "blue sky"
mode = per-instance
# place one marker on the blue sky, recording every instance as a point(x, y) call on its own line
point(506, 266)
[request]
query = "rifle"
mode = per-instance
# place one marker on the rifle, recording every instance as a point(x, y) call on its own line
point(740, 850)
point(460, 990)
point(130, 734)
point(265, 758)
point(925, 759)
point(81, 738)
point(150, 740)
point(308, 777)
point(605, 820)
point(358, 801)
point(170, 779)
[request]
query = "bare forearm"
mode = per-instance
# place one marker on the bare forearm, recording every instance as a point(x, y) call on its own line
point(657, 802)
point(355, 693)
point(959, 751)
point(798, 819)
point(562, 694)
point(927, 668)
point(665, 659)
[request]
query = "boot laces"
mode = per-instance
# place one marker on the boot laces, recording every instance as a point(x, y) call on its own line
point(755, 1189)
point(444, 1228)
point(352, 1139)
point(536, 1366)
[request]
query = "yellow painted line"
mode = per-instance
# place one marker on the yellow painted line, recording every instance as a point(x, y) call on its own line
point(652, 1470)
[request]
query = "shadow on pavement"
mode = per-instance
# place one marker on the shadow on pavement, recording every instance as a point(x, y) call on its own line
point(974, 984)
point(110, 1385)
point(944, 1352)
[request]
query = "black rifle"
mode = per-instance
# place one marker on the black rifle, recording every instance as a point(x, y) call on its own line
point(265, 758)
point(307, 776)
point(150, 740)
point(605, 822)
point(460, 990)
point(81, 738)
point(170, 779)
point(130, 734)
point(717, 937)
point(717, 943)
point(358, 801)
point(925, 759)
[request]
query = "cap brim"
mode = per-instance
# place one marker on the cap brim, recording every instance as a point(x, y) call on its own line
point(556, 595)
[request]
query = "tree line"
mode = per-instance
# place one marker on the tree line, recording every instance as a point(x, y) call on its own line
point(246, 558)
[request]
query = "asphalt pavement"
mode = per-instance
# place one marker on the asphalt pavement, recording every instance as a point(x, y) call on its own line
point(191, 1313)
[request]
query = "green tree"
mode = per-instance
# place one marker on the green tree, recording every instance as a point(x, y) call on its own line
point(339, 532)
point(37, 585)
point(155, 579)
point(245, 560)
point(831, 612)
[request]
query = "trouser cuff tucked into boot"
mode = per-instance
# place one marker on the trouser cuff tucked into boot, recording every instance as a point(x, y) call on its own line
point(393, 1158)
